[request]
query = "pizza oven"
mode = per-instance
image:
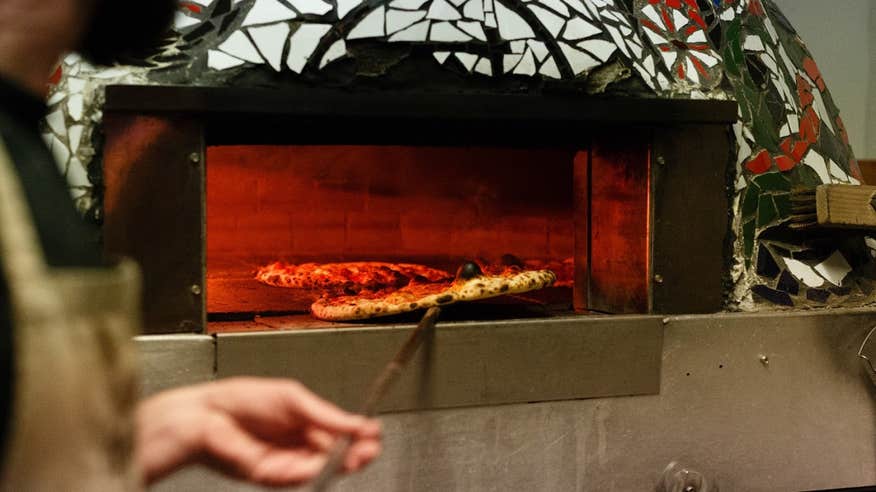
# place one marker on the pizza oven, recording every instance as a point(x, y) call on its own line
point(206, 185)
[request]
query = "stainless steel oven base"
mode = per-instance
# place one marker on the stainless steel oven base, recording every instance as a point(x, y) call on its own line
point(770, 401)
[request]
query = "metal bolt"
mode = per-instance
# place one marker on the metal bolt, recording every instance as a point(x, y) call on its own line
point(658, 278)
point(661, 161)
point(195, 158)
point(196, 289)
point(764, 360)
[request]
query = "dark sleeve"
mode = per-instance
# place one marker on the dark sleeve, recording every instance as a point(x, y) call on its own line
point(7, 368)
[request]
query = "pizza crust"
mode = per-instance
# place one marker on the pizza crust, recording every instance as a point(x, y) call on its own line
point(416, 297)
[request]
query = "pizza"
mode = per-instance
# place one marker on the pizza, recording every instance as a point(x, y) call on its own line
point(471, 283)
point(349, 278)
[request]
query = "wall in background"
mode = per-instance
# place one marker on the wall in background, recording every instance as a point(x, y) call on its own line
point(838, 34)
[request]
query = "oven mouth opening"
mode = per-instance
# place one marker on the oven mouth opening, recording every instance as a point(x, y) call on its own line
point(430, 206)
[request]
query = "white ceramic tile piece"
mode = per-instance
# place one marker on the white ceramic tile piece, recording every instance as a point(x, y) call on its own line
point(669, 58)
point(635, 48)
point(698, 36)
point(578, 60)
point(651, 13)
point(820, 108)
point(473, 9)
point(490, 20)
point(654, 37)
point(441, 56)
point(600, 48)
point(728, 15)
point(785, 130)
point(75, 84)
point(691, 71)
point(337, 50)
point(303, 42)
point(837, 172)
point(511, 25)
point(239, 46)
point(753, 43)
point(510, 61)
point(814, 160)
point(518, 46)
point(416, 32)
point(218, 60)
point(407, 4)
point(457, 3)
point(618, 39)
point(803, 272)
point(626, 31)
point(706, 58)
point(56, 123)
point(834, 268)
point(538, 49)
point(794, 123)
point(551, 21)
point(663, 81)
point(789, 65)
point(396, 20)
point(270, 41)
point(473, 29)
point(679, 19)
point(371, 26)
point(468, 60)
point(578, 6)
point(870, 242)
point(648, 63)
point(527, 64)
point(267, 11)
point(488, 6)
point(740, 183)
point(447, 33)
point(484, 67)
point(770, 29)
point(315, 7)
point(182, 21)
point(443, 10)
point(769, 60)
point(76, 106)
point(346, 6)
point(74, 137)
point(55, 98)
point(77, 175)
point(60, 153)
point(579, 28)
point(557, 6)
point(550, 69)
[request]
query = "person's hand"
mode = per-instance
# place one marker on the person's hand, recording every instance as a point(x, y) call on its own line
point(266, 431)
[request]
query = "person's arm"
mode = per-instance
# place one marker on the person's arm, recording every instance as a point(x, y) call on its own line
point(265, 431)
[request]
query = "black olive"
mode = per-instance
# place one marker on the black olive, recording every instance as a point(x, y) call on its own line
point(468, 271)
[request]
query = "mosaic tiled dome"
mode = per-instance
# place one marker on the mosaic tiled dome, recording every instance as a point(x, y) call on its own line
point(790, 133)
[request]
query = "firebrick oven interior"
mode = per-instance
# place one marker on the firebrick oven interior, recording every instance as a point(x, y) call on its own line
point(432, 206)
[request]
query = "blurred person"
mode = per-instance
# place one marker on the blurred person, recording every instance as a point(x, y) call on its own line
point(70, 417)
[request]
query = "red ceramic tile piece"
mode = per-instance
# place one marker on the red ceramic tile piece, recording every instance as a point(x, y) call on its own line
point(665, 47)
point(785, 163)
point(760, 163)
point(699, 66)
point(809, 126)
point(787, 144)
point(699, 46)
point(681, 70)
point(650, 25)
point(696, 18)
point(194, 8)
point(676, 4)
point(692, 4)
point(653, 2)
point(821, 85)
point(811, 68)
point(667, 19)
point(804, 92)
point(755, 8)
point(799, 150)
point(56, 76)
point(690, 30)
point(855, 170)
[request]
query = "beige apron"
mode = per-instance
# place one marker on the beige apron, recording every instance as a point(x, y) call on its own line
point(75, 381)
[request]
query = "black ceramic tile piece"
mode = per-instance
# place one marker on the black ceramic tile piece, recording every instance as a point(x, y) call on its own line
point(817, 295)
point(773, 182)
point(788, 283)
point(772, 295)
point(766, 265)
point(841, 291)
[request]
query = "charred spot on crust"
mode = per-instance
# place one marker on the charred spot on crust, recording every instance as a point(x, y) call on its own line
point(504, 288)
point(413, 305)
point(468, 271)
point(444, 299)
